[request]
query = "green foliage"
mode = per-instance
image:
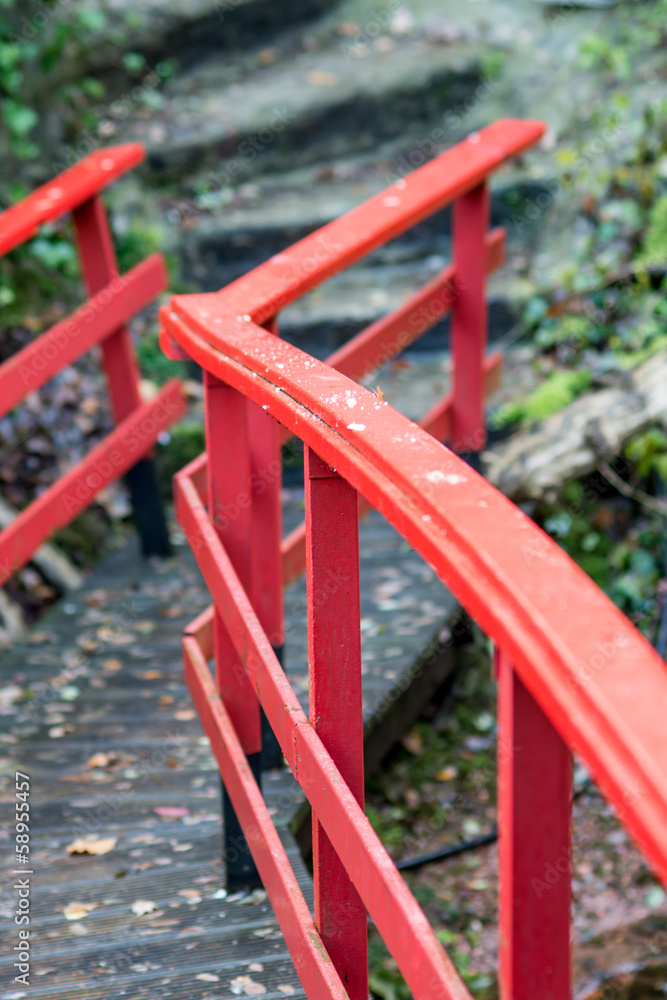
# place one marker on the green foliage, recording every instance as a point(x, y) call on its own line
point(186, 441)
point(648, 451)
point(556, 392)
point(655, 241)
point(36, 44)
point(616, 541)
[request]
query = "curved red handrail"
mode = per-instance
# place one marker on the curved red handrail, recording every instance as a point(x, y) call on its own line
point(595, 676)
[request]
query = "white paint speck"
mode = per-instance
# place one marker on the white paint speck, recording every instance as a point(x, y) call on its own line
point(351, 402)
point(356, 427)
point(392, 201)
point(436, 476)
point(107, 164)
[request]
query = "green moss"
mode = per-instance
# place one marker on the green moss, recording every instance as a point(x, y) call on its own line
point(555, 393)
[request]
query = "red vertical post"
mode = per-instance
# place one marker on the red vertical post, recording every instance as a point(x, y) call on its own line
point(98, 263)
point(334, 660)
point(534, 783)
point(230, 511)
point(266, 482)
point(267, 566)
point(470, 223)
point(99, 267)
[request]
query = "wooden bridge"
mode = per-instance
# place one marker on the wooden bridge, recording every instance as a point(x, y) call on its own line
point(130, 889)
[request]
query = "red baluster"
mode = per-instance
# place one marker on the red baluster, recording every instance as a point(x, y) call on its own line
point(230, 510)
point(99, 266)
point(267, 566)
point(534, 781)
point(470, 223)
point(334, 658)
point(98, 263)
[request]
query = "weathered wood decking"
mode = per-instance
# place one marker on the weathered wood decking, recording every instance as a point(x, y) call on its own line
point(105, 728)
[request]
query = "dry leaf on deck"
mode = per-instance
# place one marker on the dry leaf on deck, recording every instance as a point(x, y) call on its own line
point(92, 845)
point(143, 906)
point(77, 911)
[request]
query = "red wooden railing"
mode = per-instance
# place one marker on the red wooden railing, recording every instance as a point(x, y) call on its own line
point(114, 299)
point(574, 674)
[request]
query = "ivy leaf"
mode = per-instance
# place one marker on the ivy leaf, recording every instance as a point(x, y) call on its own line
point(19, 118)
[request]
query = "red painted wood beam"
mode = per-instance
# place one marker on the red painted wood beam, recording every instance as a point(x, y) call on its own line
point(535, 851)
point(407, 933)
point(66, 192)
point(288, 275)
point(98, 263)
point(470, 222)
point(229, 491)
point(388, 336)
point(334, 668)
point(314, 967)
point(58, 347)
point(578, 655)
point(437, 422)
point(74, 491)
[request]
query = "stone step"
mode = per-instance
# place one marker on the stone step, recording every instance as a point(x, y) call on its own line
point(311, 107)
point(189, 30)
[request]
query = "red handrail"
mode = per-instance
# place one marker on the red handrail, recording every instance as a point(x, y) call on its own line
point(114, 299)
point(574, 674)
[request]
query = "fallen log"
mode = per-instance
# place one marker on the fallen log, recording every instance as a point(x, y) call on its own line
point(594, 428)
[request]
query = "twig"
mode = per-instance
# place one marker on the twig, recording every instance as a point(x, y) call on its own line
point(632, 492)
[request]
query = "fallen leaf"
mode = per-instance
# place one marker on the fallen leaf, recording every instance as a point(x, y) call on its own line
point(145, 626)
point(151, 675)
point(321, 78)
point(92, 845)
point(112, 665)
point(166, 699)
point(286, 988)
point(77, 911)
point(171, 812)
point(9, 695)
point(207, 977)
point(57, 732)
point(446, 773)
point(143, 906)
point(185, 715)
point(99, 760)
point(380, 395)
point(87, 644)
point(96, 598)
point(256, 967)
point(244, 984)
